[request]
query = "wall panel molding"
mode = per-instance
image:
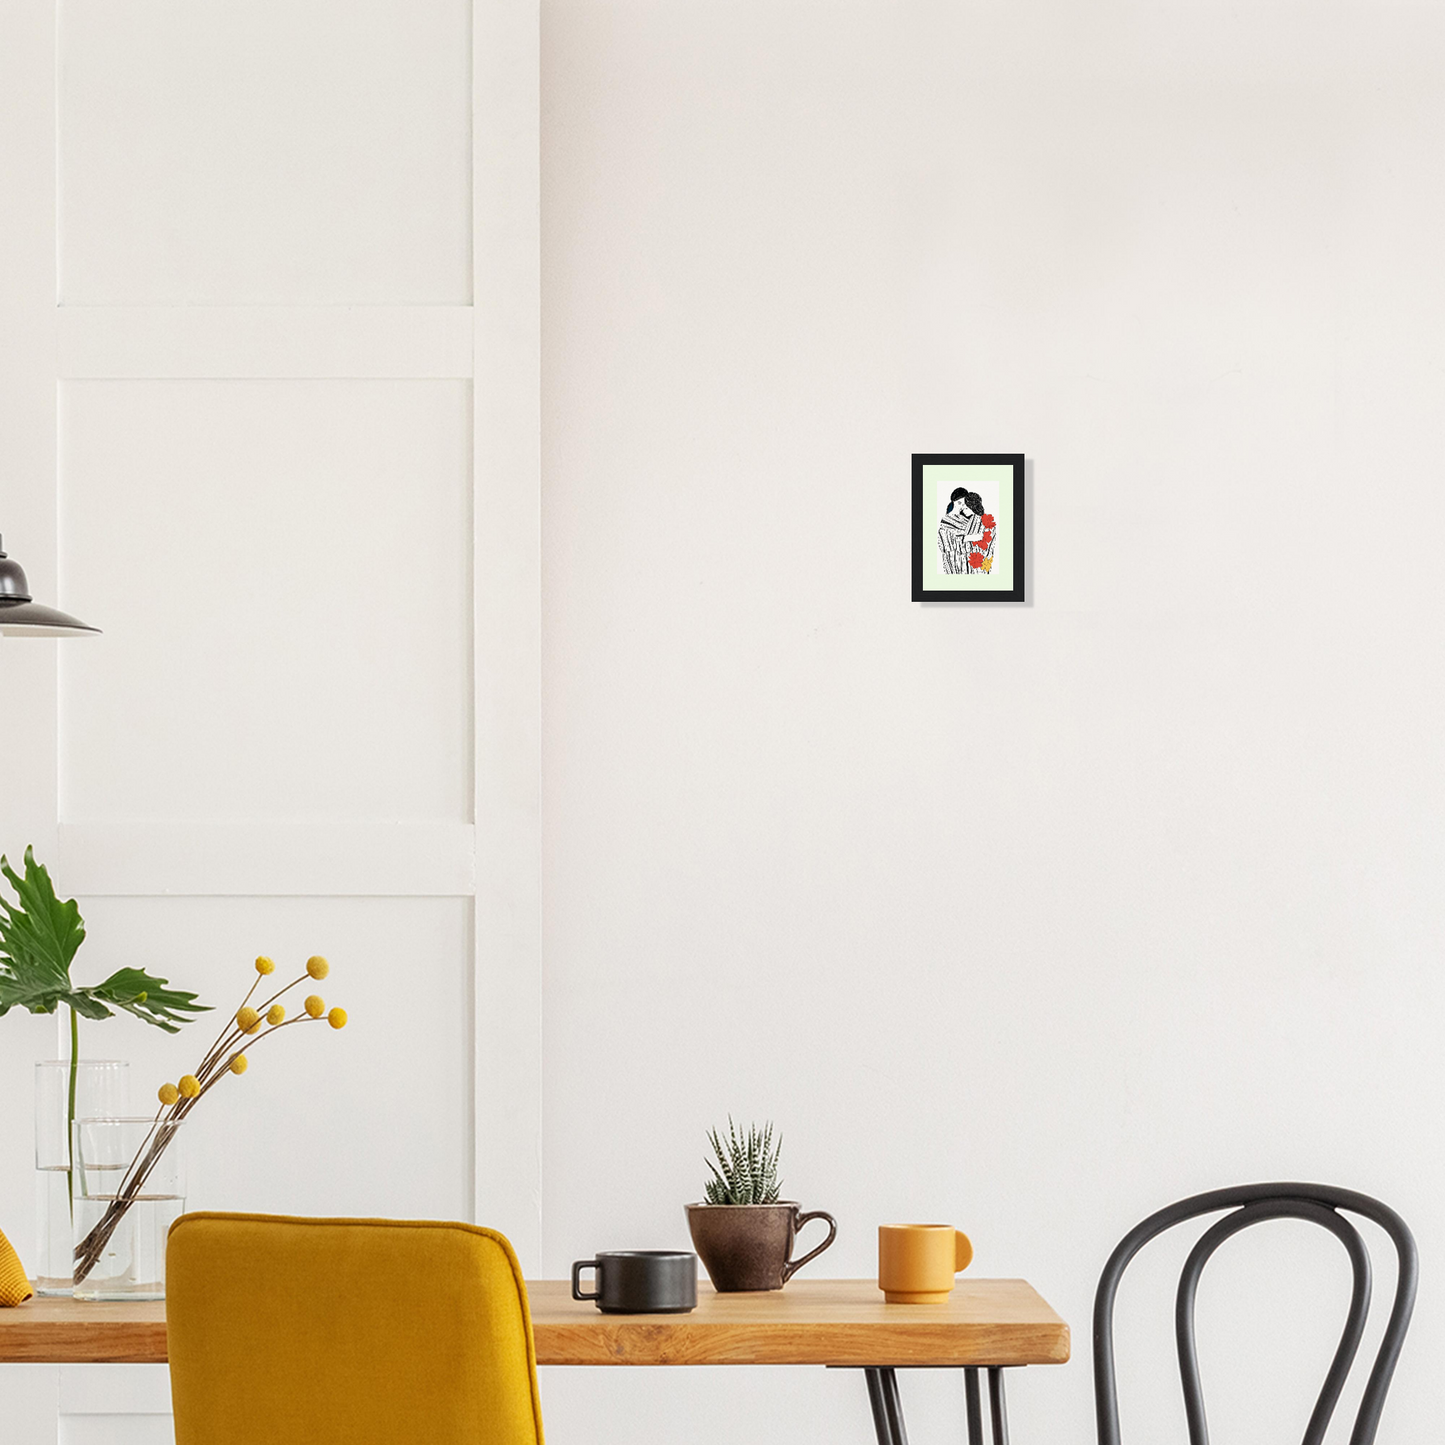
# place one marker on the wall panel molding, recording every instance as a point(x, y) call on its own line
point(507, 572)
point(257, 860)
point(303, 342)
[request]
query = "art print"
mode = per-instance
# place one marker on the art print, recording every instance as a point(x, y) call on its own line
point(968, 527)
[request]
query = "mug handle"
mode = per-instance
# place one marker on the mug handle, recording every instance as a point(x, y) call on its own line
point(962, 1251)
point(794, 1265)
point(577, 1279)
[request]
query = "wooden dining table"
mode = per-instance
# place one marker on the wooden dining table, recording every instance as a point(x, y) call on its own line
point(986, 1325)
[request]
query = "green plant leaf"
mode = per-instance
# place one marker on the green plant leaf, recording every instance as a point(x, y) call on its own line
point(147, 997)
point(38, 938)
point(84, 1002)
point(20, 992)
point(715, 1191)
point(746, 1171)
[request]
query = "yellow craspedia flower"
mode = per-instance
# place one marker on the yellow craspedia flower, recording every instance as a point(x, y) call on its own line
point(315, 1005)
point(337, 1018)
point(276, 1014)
point(317, 966)
point(238, 1064)
point(168, 1094)
point(190, 1086)
point(247, 1018)
point(265, 965)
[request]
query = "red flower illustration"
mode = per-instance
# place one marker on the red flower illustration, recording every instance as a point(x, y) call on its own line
point(976, 559)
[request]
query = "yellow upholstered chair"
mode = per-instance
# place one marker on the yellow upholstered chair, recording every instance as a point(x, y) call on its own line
point(363, 1331)
point(14, 1287)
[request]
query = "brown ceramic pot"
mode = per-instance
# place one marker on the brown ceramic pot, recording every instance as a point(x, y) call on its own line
point(749, 1246)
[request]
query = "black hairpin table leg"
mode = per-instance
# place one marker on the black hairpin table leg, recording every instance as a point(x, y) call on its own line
point(887, 1407)
point(996, 1406)
point(973, 1404)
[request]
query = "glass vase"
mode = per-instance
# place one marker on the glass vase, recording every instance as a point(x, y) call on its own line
point(129, 1189)
point(101, 1087)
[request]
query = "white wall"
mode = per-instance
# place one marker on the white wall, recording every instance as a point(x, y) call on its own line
point(1029, 917)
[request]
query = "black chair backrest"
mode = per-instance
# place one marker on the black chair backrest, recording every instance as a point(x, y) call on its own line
point(1316, 1203)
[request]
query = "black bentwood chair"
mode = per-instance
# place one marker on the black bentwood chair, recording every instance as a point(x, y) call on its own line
point(1251, 1203)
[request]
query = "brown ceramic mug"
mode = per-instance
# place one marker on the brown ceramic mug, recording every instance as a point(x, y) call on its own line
point(750, 1246)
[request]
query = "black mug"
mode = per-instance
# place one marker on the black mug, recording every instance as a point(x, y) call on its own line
point(640, 1281)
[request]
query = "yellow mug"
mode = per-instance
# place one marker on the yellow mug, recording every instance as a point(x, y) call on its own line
point(917, 1262)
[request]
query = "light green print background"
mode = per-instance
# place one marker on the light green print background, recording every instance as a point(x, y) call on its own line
point(997, 492)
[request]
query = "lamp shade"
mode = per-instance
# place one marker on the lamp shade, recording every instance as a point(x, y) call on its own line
point(21, 616)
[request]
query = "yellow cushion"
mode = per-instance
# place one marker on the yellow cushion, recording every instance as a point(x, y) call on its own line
point(360, 1331)
point(14, 1287)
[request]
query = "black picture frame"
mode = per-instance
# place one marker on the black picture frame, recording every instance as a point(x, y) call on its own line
point(1013, 540)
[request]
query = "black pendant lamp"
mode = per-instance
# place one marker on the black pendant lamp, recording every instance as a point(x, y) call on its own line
point(20, 617)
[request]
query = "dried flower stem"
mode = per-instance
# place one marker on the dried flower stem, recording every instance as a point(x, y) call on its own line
point(216, 1063)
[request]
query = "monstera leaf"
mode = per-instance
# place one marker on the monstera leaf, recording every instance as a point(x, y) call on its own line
point(145, 996)
point(39, 936)
point(38, 939)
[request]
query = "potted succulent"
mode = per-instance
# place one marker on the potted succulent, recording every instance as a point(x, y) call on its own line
point(743, 1231)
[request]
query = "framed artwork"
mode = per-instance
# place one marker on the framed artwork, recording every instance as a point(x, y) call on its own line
point(968, 527)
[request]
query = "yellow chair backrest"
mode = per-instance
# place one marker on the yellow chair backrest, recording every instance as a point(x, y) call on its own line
point(14, 1287)
point(316, 1331)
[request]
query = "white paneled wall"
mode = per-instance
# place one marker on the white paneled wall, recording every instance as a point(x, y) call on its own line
point(286, 600)
point(251, 256)
point(265, 151)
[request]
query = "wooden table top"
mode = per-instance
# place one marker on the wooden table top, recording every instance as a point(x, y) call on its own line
point(811, 1322)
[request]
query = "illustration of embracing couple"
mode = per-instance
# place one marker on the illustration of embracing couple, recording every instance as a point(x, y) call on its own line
point(965, 534)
